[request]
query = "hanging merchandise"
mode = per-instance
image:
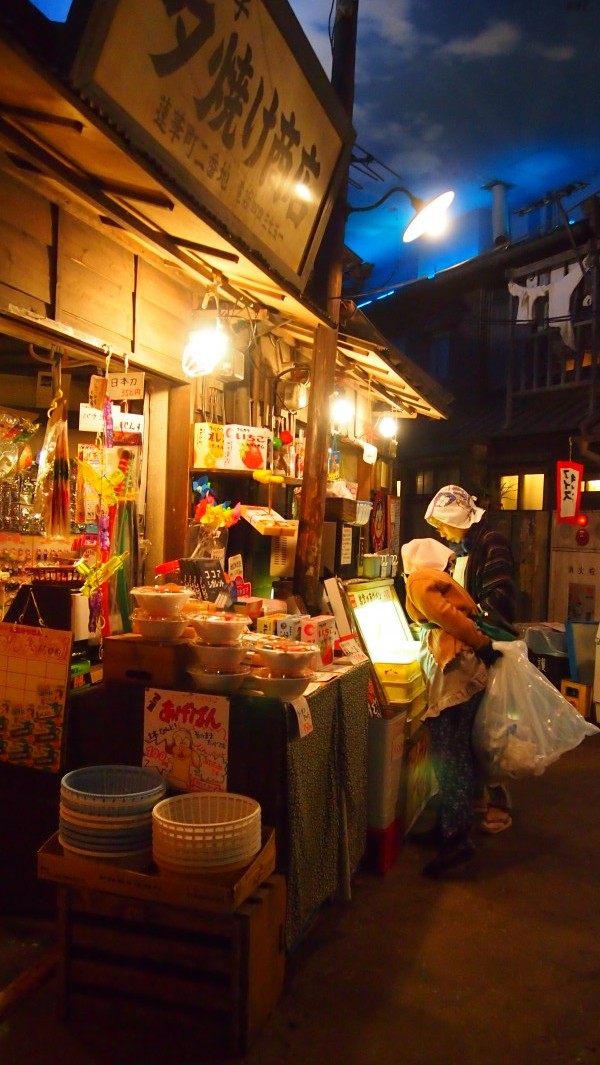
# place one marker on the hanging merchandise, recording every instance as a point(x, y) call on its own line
point(9, 457)
point(52, 492)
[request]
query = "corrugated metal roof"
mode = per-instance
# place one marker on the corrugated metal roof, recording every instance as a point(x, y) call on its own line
point(546, 412)
point(542, 414)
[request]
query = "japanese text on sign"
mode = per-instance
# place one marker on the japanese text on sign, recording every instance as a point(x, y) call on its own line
point(217, 91)
point(186, 737)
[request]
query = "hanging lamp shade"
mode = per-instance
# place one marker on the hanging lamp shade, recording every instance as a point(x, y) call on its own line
point(431, 218)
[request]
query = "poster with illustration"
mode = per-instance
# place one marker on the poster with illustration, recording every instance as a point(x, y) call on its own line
point(34, 680)
point(186, 737)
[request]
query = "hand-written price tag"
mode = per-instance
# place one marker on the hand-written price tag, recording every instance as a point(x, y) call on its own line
point(350, 646)
point(305, 725)
point(210, 577)
point(125, 386)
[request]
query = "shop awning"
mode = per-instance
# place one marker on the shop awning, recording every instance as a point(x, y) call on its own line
point(55, 143)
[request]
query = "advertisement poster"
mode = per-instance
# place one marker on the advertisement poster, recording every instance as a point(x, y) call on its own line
point(34, 678)
point(186, 737)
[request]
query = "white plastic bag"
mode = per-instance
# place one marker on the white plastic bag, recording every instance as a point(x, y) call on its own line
point(523, 723)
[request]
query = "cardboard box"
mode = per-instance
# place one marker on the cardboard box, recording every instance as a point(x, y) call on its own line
point(217, 893)
point(208, 445)
point(268, 522)
point(322, 631)
point(290, 626)
point(135, 660)
point(268, 625)
point(579, 695)
point(245, 447)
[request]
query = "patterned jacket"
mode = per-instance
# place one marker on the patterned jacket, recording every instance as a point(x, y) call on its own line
point(490, 571)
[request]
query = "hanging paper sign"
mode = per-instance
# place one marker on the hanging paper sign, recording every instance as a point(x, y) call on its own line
point(128, 428)
point(568, 491)
point(97, 392)
point(125, 386)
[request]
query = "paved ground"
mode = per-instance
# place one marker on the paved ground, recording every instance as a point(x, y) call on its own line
point(500, 966)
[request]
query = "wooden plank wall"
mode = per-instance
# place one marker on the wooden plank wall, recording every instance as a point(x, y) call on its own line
point(94, 284)
point(56, 265)
point(26, 248)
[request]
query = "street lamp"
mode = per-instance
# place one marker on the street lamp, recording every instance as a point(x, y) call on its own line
point(430, 217)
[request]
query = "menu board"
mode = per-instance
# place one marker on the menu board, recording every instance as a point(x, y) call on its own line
point(34, 680)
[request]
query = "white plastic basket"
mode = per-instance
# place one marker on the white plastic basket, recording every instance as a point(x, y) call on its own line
point(363, 510)
point(206, 830)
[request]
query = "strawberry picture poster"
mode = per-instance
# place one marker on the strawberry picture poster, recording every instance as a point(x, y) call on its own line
point(186, 738)
point(35, 665)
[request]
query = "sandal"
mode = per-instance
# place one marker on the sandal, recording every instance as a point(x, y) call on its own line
point(495, 820)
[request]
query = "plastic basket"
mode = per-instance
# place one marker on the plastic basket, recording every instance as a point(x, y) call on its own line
point(56, 575)
point(363, 510)
point(112, 790)
point(204, 829)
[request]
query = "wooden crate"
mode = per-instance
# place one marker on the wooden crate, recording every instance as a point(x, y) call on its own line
point(227, 968)
point(338, 509)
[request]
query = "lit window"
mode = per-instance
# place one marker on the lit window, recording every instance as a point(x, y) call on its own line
point(522, 491)
point(591, 486)
point(509, 492)
point(532, 491)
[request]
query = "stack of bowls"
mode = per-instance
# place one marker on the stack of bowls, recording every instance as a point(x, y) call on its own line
point(106, 813)
point(159, 613)
point(288, 667)
point(203, 833)
point(217, 653)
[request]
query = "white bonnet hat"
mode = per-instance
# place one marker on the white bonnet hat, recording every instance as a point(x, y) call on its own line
point(451, 505)
point(425, 554)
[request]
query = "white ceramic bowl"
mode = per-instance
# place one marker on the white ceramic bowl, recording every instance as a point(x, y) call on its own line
point(287, 688)
point(219, 628)
point(160, 602)
point(226, 658)
point(288, 658)
point(164, 629)
point(212, 680)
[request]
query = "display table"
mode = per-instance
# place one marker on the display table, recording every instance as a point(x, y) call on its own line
point(313, 791)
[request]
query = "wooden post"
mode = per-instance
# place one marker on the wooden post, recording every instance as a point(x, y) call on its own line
point(327, 290)
point(312, 499)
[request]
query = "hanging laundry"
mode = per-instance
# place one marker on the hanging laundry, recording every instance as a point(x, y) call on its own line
point(558, 290)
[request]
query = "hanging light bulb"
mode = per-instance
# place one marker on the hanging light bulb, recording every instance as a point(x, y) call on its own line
point(208, 342)
point(340, 409)
point(205, 348)
point(387, 426)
